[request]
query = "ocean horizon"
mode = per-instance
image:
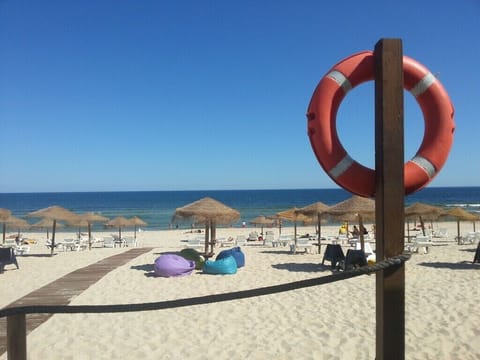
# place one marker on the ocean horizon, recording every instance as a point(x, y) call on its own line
point(157, 207)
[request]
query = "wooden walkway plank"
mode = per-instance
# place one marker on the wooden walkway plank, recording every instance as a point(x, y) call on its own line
point(64, 289)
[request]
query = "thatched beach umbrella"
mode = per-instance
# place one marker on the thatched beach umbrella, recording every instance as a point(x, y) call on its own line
point(87, 219)
point(46, 224)
point(4, 214)
point(136, 221)
point(262, 220)
point(15, 223)
point(461, 215)
point(54, 213)
point(315, 209)
point(120, 222)
point(210, 212)
point(423, 211)
point(293, 216)
point(358, 206)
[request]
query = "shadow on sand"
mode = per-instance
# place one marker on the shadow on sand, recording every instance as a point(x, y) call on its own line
point(464, 265)
point(301, 267)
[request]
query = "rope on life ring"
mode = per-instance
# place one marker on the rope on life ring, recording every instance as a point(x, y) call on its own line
point(322, 111)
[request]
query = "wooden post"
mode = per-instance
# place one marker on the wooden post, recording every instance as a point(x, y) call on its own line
point(389, 199)
point(207, 235)
point(53, 237)
point(16, 337)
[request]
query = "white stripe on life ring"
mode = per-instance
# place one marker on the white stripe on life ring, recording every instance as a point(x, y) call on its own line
point(423, 85)
point(341, 80)
point(425, 164)
point(341, 167)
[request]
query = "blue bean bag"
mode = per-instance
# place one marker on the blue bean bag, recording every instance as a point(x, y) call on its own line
point(227, 265)
point(237, 254)
point(168, 265)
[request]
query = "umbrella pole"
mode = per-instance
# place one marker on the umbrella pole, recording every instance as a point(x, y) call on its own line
point(207, 225)
point(135, 232)
point(53, 236)
point(408, 230)
point(458, 231)
point(319, 231)
point(360, 225)
point(213, 235)
point(422, 225)
point(89, 236)
point(4, 230)
point(295, 236)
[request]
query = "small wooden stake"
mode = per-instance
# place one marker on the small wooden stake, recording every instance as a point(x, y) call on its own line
point(389, 199)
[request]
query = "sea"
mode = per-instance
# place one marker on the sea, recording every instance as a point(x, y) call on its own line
point(156, 208)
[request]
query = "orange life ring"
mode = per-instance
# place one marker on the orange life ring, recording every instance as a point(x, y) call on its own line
point(434, 102)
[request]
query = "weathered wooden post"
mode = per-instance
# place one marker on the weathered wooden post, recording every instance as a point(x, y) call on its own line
point(389, 198)
point(16, 337)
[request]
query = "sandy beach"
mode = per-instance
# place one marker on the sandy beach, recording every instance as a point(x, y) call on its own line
point(333, 321)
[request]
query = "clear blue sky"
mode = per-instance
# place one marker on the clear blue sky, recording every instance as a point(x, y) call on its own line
point(173, 95)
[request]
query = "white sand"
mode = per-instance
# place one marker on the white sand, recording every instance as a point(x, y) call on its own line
point(334, 321)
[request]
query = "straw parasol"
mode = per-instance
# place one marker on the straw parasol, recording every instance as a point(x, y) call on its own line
point(293, 216)
point(14, 222)
point(4, 214)
point(315, 209)
point(210, 212)
point(460, 214)
point(358, 206)
point(136, 221)
point(46, 224)
point(87, 219)
point(423, 211)
point(120, 222)
point(262, 220)
point(54, 213)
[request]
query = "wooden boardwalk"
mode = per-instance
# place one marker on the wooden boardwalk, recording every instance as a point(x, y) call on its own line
point(62, 290)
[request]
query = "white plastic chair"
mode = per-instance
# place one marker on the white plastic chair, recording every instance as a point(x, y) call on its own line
point(241, 240)
point(304, 243)
point(108, 242)
point(269, 240)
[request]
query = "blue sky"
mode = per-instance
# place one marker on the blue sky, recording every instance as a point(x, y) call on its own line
point(174, 95)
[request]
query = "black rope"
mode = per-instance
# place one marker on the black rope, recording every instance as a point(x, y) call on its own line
point(207, 299)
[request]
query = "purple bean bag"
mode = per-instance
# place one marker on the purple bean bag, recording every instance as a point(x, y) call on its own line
point(168, 265)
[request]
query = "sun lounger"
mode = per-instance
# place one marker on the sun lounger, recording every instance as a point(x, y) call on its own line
point(269, 240)
point(284, 240)
point(241, 240)
point(196, 243)
point(467, 239)
point(108, 242)
point(440, 233)
point(420, 244)
point(302, 243)
point(130, 241)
